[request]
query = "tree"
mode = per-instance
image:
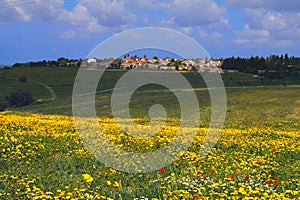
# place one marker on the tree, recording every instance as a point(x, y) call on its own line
point(62, 61)
point(286, 59)
point(2, 107)
point(20, 98)
point(16, 65)
point(23, 79)
point(281, 61)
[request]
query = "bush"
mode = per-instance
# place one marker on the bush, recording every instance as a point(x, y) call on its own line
point(2, 107)
point(23, 79)
point(20, 98)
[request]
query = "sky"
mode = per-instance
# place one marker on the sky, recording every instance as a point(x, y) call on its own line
point(33, 30)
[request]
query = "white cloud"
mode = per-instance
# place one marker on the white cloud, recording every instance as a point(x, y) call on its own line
point(194, 12)
point(276, 5)
point(97, 17)
point(18, 11)
point(68, 34)
point(281, 19)
point(149, 4)
point(117, 15)
point(22, 14)
point(83, 20)
point(188, 30)
point(216, 35)
point(280, 25)
point(110, 13)
point(282, 43)
point(12, 14)
point(262, 38)
point(268, 20)
point(78, 16)
point(252, 37)
point(253, 33)
point(210, 35)
point(83, 23)
point(167, 22)
point(188, 16)
point(202, 34)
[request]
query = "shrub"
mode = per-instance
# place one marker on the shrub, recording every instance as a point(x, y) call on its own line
point(23, 79)
point(2, 107)
point(20, 98)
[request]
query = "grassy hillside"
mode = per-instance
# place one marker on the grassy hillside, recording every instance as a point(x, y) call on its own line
point(59, 79)
point(247, 99)
point(43, 156)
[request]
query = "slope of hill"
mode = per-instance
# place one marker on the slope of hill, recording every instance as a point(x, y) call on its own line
point(52, 92)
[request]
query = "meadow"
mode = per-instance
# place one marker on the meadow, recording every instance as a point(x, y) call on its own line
point(257, 155)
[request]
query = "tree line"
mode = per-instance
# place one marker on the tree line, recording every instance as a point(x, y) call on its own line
point(273, 66)
point(60, 62)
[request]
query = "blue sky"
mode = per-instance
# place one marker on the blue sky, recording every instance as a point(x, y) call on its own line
point(34, 30)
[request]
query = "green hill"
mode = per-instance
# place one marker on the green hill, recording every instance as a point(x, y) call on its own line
point(249, 97)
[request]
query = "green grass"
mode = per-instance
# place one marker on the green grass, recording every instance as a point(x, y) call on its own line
point(262, 126)
point(8, 85)
point(60, 79)
point(247, 100)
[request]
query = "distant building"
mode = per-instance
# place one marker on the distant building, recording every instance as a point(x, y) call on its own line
point(91, 61)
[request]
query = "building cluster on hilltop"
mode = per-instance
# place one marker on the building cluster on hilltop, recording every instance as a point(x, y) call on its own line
point(154, 63)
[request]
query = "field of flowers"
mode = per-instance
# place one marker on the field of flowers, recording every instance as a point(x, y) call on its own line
point(42, 157)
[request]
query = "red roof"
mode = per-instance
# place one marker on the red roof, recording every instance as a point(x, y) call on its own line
point(116, 61)
point(142, 62)
point(129, 60)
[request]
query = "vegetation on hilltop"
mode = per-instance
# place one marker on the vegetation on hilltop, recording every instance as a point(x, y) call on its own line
point(272, 67)
point(60, 62)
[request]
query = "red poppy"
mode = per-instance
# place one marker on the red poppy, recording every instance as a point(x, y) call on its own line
point(55, 152)
point(198, 173)
point(247, 178)
point(238, 173)
point(268, 182)
point(275, 177)
point(273, 150)
point(195, 196)
point(258, 162)
point(276, 183)
point(212, 171)
point(204, 177)
point(180, 158)
point(231, 177)
point(162, 170)
point(225, 161)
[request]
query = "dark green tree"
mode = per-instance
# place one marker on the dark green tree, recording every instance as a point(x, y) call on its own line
point(286, 59)
point(19, 98)
point(23, 79)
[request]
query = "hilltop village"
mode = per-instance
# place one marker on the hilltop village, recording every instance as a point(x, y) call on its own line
point(154, 63)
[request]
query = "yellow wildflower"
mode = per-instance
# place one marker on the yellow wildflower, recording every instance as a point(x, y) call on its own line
point(88, 178)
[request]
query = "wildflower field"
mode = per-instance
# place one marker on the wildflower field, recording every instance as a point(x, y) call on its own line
point(257, 155)
point(42, 157)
